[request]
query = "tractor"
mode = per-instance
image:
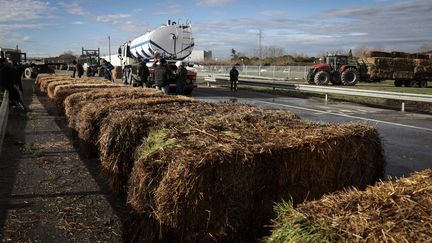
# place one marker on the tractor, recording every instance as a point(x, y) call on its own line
point(337, 69)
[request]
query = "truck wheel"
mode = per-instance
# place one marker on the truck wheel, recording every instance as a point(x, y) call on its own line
point(414, 83)
point(350, 76)
point(322, 78)
point(28, 73)
point(398, 83)
point(423, 84)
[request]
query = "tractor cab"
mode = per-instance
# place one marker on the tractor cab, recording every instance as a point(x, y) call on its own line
point(336, 61)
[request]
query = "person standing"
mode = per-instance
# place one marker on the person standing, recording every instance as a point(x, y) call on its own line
point(7, 76)
point(234, 78)
point(143, 73)
point(107, 67)
point(161, 76)
point(181, 76)
point(78, 69)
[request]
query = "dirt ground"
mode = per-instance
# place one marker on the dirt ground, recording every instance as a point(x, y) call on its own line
point(49, 192)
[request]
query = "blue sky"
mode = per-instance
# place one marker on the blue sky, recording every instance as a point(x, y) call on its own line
point(48, 28)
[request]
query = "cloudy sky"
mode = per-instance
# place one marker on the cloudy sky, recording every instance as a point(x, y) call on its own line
point(49, 28)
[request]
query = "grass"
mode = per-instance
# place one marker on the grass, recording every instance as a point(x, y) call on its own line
point(157, 139)
point(31, 148)
point(389, 86)
point(291, 226)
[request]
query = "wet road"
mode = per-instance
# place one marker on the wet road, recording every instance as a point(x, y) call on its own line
point(406, 137)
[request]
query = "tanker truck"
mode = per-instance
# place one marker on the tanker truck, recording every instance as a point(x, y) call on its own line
point(170, 41)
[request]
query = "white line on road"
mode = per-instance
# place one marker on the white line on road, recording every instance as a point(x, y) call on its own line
point(343, 115)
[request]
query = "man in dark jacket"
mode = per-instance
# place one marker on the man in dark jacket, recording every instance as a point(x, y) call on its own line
point(78, 69)
point(143, 73)
point(181, 76)
point(234, 78)
point(161, 76)
point(7, 79)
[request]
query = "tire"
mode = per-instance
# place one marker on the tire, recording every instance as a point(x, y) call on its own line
point(407, 83)
point(398, 83)
point(28, 73)
point(414, 83)
point(350, 76)
point(423, 84)
point(322, 78)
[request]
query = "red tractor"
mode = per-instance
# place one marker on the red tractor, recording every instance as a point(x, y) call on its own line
point(337, 69)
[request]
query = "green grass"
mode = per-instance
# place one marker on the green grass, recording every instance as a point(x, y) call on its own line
point(31, 148)
point(292, 226)
point(389, 86)
point(157, 139)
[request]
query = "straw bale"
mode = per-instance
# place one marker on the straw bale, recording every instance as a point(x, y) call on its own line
point(419, 56)
point(52, 85)
point(377, 54)
point(75, 102)
point(44, 82)
point(422, 62)
point(403, 75)
point(61, 92)
point(133, 126)
point(399, 54)
point(216, 179)
point(403, 64)
point(391, 211)
point(91, 116)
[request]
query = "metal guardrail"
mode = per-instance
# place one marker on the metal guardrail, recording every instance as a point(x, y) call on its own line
point(334, 90)
point(4, 112)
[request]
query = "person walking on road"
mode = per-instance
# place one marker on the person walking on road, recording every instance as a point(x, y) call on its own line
point(181, 76)
point(78, 69)
point(143, 73)
point(234, 78)
point(161, 76)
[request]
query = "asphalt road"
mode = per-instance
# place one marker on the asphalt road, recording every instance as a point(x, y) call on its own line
point(406, 137)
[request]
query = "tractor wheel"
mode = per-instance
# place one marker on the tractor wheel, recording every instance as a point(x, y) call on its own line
point(28, 73)
point(398, 83)
point(423, 84)
point(322, 78)
point(350, 76)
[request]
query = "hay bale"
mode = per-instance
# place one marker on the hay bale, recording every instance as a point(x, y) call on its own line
point(217, 179)
point(91, 116)
point(74, 103)
point(377, 54)
point(61, 92)
point(133, 126)
point(396, 211)
point(43, 84)
point(117, 72)
point(403, 75)
point(52, 85)
point(399, 54)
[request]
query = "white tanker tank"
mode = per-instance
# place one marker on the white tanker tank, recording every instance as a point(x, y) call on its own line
point(171, 41)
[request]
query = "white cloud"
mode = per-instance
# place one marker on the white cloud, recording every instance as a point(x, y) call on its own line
point(78, 23)
point(274, 12)
point(171, 9)
point(212, 2)
point(74, 8)
point(113, 18)
point(24, 10)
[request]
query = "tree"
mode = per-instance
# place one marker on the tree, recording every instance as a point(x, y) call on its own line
point(425, 47)
point(67, 57)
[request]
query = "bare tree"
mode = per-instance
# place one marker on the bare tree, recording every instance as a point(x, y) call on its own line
point(426, 47)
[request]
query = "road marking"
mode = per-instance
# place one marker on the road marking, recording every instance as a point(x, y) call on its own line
point(343, 115)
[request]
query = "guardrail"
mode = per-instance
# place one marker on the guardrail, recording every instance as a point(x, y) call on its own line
point(334, 90)
point(4, 112)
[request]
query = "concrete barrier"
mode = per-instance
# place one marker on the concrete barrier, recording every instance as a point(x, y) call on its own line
point(4, 112)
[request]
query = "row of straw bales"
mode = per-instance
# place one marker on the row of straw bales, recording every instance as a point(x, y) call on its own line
point(392, 211)
point(398, 65)
point(195, 171)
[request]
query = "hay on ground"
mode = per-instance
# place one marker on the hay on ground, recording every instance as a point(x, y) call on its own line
point(216, 179)
point(392, 211)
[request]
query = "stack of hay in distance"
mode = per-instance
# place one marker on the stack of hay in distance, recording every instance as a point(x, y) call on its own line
point(196, 171)
point(398, 65)
point(399, 211)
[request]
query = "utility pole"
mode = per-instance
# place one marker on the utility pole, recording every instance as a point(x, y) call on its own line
point(260, 51)
point(109, 48)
